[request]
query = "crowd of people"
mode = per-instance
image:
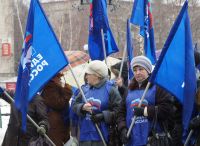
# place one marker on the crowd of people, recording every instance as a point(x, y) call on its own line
point(103, 111)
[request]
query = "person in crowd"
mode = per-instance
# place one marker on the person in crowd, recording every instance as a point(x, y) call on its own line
point(57, 97)
point(14, 135)
point(195, 122)
point(74, 118)
point(121, 83)
point(156, 98)
point(102, 104)
point(115, 69)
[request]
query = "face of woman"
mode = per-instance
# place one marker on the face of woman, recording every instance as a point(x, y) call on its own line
point(92, 79)
point(140, 74)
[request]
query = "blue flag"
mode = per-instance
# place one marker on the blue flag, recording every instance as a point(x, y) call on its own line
point(142, 16)
point(98, 21)
point(1, 90)
point(175, 69)
point(42, 57)
point(129, 49)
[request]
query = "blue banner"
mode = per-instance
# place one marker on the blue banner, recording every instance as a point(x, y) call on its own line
point(98, 21)
point(42, 57)
point(142, 16)
point(175, 69)
point(129, 49)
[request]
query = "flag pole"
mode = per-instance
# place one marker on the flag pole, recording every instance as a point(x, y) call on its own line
point(30, 119)
point(19, 20)
point(85, 100)
point(103, 44)
point(188, 138)
point(123, 58)
point(141, 100)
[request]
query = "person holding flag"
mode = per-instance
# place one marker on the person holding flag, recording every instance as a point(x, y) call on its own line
point(41, 59)
point(103, 102)
point(14, 135)
point(156, 98)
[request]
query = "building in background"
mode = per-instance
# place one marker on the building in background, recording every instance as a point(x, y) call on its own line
point(7, 49)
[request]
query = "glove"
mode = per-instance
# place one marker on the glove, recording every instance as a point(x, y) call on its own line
point(96, 118)
point(195, 123)
point(139, 111)
point(41, 130)
point(123, 136)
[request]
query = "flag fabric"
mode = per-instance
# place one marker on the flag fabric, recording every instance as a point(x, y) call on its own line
point(142, 16)
point(99, 20)
point(1, 90)
point(42, 58)
point(175, 69)
point(129, 49)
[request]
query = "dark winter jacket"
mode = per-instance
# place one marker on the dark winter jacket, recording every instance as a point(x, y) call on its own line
point(14, 135)
point(162, 100)
point(57, 99)
point(113, 104)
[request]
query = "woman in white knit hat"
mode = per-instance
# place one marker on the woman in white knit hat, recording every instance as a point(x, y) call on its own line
point(103, 101)
point(156, 98)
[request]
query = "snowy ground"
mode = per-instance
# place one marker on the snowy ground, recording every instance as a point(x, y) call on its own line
point(5, 108)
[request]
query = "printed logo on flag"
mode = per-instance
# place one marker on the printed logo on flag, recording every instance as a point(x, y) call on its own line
point(32, 62)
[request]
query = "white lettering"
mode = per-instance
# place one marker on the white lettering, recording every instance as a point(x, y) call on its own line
point(35, 61)
point(32, 77)
point(39, 67)
point(35, 72)
point(44, 63)
point(39, 56)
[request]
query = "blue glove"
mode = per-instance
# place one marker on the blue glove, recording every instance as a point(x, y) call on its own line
point(1, 90)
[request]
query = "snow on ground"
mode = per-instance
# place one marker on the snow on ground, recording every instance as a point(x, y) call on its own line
point(5, 108)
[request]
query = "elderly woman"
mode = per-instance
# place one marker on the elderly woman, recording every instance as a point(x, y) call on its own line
point(156, 98)
point(103, 101)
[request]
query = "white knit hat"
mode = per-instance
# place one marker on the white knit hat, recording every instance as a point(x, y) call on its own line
point(143, 62)
point(98, 68)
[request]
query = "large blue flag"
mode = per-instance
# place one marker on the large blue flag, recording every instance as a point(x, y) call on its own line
point(129, 49)
point(175, 69)
point(42, 58)
point(142, 16)
point(98, 21)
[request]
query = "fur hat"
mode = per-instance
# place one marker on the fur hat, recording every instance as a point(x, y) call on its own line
point(98, 68)
point(143, 62)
